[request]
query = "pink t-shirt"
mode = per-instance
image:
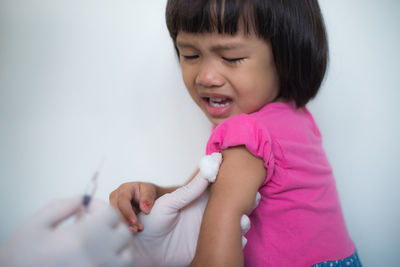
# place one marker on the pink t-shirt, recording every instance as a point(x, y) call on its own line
point(299, 221)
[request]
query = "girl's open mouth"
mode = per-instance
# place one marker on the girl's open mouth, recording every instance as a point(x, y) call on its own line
point(217, 106)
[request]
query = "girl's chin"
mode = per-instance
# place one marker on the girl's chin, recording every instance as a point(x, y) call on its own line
point(217, 120)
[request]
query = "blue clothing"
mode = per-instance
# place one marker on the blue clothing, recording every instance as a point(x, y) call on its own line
point(352, 261)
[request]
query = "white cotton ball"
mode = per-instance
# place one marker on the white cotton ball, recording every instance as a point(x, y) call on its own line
point(209, 166)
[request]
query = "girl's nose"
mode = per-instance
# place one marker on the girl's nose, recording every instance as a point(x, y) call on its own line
point(208, 76)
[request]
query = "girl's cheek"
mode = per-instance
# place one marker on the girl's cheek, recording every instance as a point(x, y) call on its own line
point(189, 81)
point(187, 85)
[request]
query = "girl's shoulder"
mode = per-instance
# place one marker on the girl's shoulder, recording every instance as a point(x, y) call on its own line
point(243, 130)
point(285, 121)
point(279, 120)
point(275, 125)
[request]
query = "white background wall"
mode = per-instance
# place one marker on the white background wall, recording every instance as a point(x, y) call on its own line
point(85, 79)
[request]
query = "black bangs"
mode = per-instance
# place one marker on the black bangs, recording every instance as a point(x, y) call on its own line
point(295, 30)
point(200, 16)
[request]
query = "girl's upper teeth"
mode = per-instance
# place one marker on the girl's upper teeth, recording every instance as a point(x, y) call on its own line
point(219, 101)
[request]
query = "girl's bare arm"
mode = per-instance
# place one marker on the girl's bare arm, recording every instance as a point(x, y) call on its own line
point(232, 195)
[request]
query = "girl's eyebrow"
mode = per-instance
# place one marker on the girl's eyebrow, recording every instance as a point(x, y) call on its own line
point(184, 45)
point(217, 47)
point(224, 47)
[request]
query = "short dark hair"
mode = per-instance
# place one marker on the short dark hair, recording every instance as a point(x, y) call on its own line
point(294, 28)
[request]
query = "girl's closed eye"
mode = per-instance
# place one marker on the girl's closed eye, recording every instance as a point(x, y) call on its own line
point(230, 60)
point(190, 57)
point(234, 60)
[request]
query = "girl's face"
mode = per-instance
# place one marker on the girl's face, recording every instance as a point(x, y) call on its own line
point(227, 75)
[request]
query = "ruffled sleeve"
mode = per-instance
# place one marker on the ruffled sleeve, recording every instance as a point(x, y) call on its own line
point(243, 129)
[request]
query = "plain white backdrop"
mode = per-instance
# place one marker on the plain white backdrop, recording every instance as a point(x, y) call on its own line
point(83, 80)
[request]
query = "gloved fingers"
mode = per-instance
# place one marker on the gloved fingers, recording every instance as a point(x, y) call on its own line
point(100, 213)
point(209, 166)
point(148, 195)
point(244, 241)
point(245, 224)
point(56, 211)
point(125, 258)
point(185, 194)
point(103, 233)
point(121, 260)
point(117, 249)
point(258, 198)
point(245, 221)
point(121, 238)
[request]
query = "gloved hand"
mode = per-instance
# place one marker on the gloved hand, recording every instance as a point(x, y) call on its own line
point(171, 229)
point(98, 238)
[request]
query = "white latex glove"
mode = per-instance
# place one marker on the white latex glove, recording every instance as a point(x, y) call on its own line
point(172, 228)
point(97, 239)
